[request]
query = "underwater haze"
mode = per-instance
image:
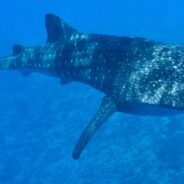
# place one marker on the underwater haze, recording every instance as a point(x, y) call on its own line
point(41, 120)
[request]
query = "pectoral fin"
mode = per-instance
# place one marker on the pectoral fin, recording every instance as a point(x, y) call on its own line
point(107, 108)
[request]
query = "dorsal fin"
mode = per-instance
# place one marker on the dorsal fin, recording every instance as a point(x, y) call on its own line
point(57, 29)
point(17, 49)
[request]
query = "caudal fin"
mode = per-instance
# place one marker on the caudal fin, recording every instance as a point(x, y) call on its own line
point(7, 63)
point(10, 62)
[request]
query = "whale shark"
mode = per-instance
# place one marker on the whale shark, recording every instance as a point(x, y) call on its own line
point(136, 75)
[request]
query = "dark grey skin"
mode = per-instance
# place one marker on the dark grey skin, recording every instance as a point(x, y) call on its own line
point(136, 75)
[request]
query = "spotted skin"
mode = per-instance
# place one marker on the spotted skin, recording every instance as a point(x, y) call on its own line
point(138, 76)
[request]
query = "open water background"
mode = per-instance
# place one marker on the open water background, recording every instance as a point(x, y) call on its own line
point(40, 120)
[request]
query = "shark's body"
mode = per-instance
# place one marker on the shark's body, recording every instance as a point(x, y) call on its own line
point(138, 76)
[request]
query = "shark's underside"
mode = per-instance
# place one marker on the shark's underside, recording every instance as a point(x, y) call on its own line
point(136, 75)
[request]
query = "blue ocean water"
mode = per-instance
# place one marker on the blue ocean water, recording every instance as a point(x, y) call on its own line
point(40, 120)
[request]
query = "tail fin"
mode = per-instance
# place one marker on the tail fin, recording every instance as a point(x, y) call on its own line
point(57, 29)
point(7, 63)
point(10, 62)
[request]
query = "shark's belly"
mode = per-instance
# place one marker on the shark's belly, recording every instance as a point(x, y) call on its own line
point(147, 109)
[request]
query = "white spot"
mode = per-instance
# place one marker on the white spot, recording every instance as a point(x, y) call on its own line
point(77, 36)
point(84, 36)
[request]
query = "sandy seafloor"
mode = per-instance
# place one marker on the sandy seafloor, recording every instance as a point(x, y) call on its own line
point(41, 120)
